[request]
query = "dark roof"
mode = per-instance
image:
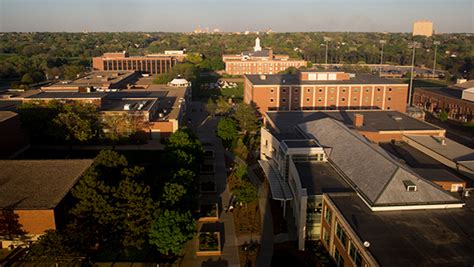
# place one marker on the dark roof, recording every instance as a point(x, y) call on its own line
point(118, 105)
point(374, 120)
point(263, 53)
point(300, 143)
point(442, 237)
point(371, 171)
point(67, 95)
point(38, 184)
point(320, 177)
point(422, 164)
point(138, 94)
point(294, 79)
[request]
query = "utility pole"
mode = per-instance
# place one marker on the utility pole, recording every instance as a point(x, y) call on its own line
point(382, 42)
point(436, 43)
point(415, 44)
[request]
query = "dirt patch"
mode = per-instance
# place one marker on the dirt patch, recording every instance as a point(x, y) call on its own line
point(247, 219)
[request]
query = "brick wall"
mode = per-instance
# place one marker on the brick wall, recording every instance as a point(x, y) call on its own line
point(36, 221)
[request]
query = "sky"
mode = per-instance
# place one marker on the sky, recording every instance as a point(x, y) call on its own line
point(234, 15)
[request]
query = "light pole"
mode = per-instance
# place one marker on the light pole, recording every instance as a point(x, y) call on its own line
point(414, 45)
point(327, 39)
point(436, 43)
point(382, 42)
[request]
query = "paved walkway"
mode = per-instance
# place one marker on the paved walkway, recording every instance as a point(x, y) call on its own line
point(205, 128)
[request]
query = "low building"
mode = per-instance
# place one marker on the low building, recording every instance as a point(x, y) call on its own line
point(152, 63)
point(13, 140)
point(457, 100)
point(259, 61)
point(312, 162)
point(376, 125)
point(96, 81)
point(323, 90)
point(35, 195)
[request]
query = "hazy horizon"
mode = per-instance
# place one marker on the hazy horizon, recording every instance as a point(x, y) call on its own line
point(455, 16)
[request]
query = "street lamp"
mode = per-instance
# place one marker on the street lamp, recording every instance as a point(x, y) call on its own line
point(414, 45)
point(327, 39)
point(382, 42)
point(436, 43)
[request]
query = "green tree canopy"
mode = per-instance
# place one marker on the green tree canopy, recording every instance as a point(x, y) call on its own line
point(227, 129)
point(171, 230)
point(246, 117)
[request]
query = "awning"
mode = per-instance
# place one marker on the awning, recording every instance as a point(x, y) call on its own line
point(278, 186)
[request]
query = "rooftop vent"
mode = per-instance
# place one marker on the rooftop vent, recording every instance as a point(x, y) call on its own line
point(352, 75)
point(410, 186)
point(263, 77)
point(126, 107)
point(397, 118)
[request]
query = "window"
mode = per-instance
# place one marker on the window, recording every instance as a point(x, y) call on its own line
point(378, 89)
point(320, 99)
point(320, 90)
point(307, 99)
point(325, 237)
point(271, 90)
point(356, 90)
point(327, 215)
point(341, 235)
point(284, 90)
point(367, 90)
point(308, 90)
point(283, 100)
point(344, 90)
point(332, 90)
point(389, 98)
point(388, 108)
point(354, 99)
point(296, 90)
point(378, 99)
point(338, 259)
point(343, 99)
point(355, 255)
point(390, 89)
point(271, 100)
point(295, 100)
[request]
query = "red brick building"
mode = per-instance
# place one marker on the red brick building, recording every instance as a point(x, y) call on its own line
point(455, 101)
point(153, 63)
point(13, 139)
point(319, 90)
point(259, 62)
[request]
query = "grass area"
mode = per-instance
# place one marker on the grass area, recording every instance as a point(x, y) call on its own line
point(248, 254)
point(236, 93)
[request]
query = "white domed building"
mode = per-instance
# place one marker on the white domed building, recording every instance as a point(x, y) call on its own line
point(179, 82)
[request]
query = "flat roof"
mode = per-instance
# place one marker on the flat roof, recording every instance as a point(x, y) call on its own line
point(94, 78)
point(301, 143)
point(38, 184)
point(440, 237)
point(374, 120)
point(118, 105)
point(320, 177)
point(451, 150)
point(67, 95)
point(452, 93)
point(422, 164)
point(294, 79)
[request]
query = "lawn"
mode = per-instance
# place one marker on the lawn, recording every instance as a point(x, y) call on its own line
point(236, 93)
point(247, 219)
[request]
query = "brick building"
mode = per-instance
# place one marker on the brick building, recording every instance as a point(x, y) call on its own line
point(152, 63)
point(13, 139)
point(259, 62)
point(35, 196)
point(318, 90)
point(457, 101)
point(366, 207)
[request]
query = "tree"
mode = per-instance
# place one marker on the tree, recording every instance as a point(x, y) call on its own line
point(173, 193)
point(240, 149)
point(246, 116)
point(74, 127)
point(163, 78)
point(240, 171)
point(171, 230)
point(227, 129)
point(245, 191)
point(72, 71)
point(443, 115)
point(211, 107)
point(194, 58)
point(52, 247)
point(27, 79)
point(119, 127)
point(222, 105)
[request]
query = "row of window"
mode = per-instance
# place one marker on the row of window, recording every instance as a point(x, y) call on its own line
point(343, 99)
point(331, 90)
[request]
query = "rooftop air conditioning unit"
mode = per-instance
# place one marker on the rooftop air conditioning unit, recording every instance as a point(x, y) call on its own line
point(126, 107)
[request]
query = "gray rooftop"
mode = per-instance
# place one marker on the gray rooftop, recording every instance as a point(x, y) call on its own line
point(374, 120)
point(452, 150)
point(412, 238)
point(452, 93)
point(294, 79)
point(320, 177)
point(372, 172)
point(67, 95)
point(6, 115)
point(38, 184)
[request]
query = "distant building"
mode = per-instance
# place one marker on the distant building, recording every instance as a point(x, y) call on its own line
point(35, 195)
point(423, 28)
point(365, 206)
point(152, 63)
point(259, 61)
point(456, 100)
point(13, 139)
point(313, 90)
point(95, 80)
point(162, 107)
